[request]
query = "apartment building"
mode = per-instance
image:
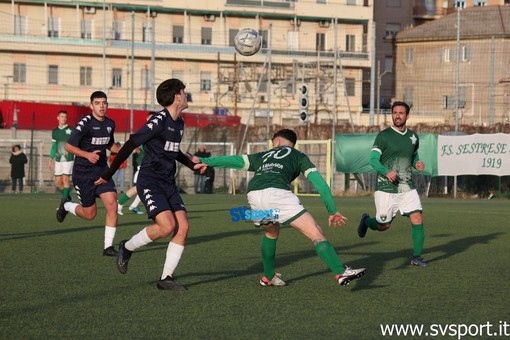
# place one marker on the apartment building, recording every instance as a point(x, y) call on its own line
point(61, 51)
point(392, 16)
point(456, 69)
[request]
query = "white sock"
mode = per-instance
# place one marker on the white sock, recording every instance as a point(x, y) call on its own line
point(135, 202)
point(109, 235)
point(138, 240)
point(173, 255)
point(71, 207)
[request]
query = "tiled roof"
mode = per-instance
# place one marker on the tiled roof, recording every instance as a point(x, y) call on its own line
point(475, 22)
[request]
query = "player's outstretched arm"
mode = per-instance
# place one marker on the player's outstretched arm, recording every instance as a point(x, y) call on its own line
point(323, 189)
point(239, 162)
point(186, 160)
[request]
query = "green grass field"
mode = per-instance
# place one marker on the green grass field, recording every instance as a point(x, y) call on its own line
point(55, 283)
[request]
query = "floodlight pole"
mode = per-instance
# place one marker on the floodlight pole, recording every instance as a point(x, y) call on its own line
point(270, 33)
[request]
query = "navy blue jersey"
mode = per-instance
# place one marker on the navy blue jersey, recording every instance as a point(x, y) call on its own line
point(89, 135)
point(161, 138)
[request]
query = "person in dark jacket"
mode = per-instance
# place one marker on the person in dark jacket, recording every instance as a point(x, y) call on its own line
point(18, 160)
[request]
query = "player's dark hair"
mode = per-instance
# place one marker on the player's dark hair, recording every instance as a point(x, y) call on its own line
point(167, 90)
point(404, 104)
point(288, 134)
point(97, 94)
point(62, 111)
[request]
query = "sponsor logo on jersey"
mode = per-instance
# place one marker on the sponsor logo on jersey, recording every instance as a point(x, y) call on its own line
point(172, 146)
point(100, 140)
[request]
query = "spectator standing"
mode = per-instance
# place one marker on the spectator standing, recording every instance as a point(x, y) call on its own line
point(18, 160)
point(200, 178)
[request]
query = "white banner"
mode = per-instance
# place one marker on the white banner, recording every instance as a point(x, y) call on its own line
point(474, 155)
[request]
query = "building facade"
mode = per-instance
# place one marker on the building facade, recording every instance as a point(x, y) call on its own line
point(456, 69)
point(60, 52)
point(393, 16)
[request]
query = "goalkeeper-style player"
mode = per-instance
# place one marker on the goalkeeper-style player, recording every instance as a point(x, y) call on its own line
point(269, 189)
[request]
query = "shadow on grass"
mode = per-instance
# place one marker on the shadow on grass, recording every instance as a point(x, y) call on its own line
point(375, 262)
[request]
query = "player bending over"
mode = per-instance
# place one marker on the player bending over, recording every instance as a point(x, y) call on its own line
point(269, 189)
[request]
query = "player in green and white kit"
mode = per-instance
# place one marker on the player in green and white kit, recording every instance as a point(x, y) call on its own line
point(269, 189)
point(393, 156)
point(63, 160)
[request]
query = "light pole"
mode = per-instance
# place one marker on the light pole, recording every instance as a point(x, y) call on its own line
point(379, 77)
point(6, 86)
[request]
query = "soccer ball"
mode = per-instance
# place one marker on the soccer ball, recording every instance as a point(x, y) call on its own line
point(247, 42)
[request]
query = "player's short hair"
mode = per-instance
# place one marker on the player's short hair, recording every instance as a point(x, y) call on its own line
point(62, 111)
point(288, 134)
point(404, 104)
point(167, 90)
point(97, 94)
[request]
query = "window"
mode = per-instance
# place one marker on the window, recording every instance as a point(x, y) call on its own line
point(449, 101)
point(147, 32)
point(178, 34)
point(85, 76)
point(86, 29)
point(146, 78)
point(321, 1)
point(447, 55)
point(206, 36)
point(465, 53)
point(117, 77)
point(53, 74)
point(388, 63)
point(392, 29)
point(350, 43)
point(292, 40)
point(205, 81)
point(53, 27)
point(350, 86)
point(19, 73)
point(117, 28)
point(460, 4)
point(352, 2)
point(20, 25)
point(264, 34)
point(231, 36)
point(480, 2)
point(320, 41)
point(408, 55)
point(408, 95)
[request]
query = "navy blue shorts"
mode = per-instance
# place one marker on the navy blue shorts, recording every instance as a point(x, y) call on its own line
point(158, 197)
point(87, 191)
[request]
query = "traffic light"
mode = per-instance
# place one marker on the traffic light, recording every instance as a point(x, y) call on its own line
point(303, 104)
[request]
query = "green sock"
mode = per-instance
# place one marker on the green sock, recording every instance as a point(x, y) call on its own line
point(329, 256)
point(418, 235)
point(66, 193)
point(268, 251)
point(372, 223)
point(123, 199)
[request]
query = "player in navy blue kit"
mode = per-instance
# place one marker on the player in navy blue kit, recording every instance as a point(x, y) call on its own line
point(89, 141)
point(161, 137)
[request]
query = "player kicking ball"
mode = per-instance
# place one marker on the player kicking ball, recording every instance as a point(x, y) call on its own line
point(269, 188)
